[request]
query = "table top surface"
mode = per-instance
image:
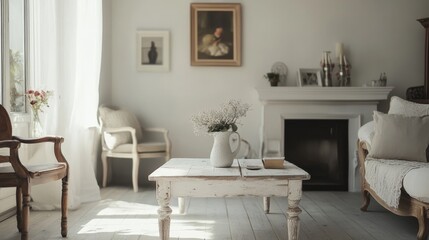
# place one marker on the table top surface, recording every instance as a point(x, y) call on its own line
point(200, 168)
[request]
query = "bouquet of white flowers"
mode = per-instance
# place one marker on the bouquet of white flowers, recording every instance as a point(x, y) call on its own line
point(221, 119)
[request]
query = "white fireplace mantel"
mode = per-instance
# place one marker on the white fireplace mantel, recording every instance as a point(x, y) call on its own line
point(323, 94)
point(355, 104)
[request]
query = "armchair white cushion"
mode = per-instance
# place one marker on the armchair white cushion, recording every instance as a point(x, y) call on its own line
point(114, 119)
point(141, 147)
point(122, 137)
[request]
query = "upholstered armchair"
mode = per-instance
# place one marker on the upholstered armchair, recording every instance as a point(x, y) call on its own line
point(122, 137)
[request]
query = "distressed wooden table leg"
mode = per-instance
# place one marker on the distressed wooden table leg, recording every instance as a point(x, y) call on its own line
point(163, 197)
point(293, 211)
point(266, 204)
point(181, 201)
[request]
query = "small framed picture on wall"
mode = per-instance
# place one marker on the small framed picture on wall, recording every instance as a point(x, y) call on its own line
point(310, 77)
point(153, 51)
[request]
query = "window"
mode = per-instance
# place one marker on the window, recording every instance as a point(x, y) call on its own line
point(14, 57)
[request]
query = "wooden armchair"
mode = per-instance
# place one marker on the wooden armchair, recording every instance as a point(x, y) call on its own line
point(123, 137)
point(14, 174)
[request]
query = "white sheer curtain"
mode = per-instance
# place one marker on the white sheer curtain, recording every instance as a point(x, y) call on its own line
point(66, 43)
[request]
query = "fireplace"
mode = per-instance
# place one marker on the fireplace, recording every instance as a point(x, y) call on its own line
point(353, 105)
point(320, 146)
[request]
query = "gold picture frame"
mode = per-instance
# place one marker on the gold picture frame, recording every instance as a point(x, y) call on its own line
point(216, 34)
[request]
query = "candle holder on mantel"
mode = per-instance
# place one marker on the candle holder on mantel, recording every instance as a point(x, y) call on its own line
point(343, 73)
point(327, 67)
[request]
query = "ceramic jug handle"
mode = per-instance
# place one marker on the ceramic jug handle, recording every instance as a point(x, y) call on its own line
point(238, 146)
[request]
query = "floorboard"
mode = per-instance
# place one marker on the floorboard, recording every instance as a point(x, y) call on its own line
point(125, 215)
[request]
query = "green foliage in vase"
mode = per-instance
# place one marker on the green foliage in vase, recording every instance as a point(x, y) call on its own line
point(272, 76)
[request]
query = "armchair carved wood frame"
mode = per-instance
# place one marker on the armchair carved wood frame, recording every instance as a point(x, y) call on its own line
point(408, 206)
point(23, 176)
point(136, 150)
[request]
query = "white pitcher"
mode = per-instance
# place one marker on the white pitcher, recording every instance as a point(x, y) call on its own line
point(221, 155)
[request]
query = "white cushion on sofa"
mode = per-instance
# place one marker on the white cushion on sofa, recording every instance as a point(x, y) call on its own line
point(366, 133)
point(407, 108)
point(400, 137)
point(397, 106)
point(415, 184)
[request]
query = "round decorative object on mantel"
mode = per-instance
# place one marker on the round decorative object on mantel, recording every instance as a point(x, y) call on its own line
point(281, 69)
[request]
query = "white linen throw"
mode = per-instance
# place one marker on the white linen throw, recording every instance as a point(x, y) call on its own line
point(385, 177)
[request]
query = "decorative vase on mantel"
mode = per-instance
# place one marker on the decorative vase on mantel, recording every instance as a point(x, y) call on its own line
point(36, 126)
point(327, 67)
point(221, 155)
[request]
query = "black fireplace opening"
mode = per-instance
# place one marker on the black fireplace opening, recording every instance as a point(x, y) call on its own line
point(320, 147)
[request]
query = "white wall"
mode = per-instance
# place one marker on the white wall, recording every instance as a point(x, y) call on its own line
point(378, 35)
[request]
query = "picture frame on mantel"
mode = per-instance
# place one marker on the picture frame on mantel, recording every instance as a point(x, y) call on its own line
point(310, 77)
point(216, 34)
point(153, 51)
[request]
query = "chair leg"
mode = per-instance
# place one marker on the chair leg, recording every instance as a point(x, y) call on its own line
point(25, 187)
point(135, 173)
point(19, 208)
point(105, 167)
point(423, 224)
point(181, 201)
point(266, 201)
point(366, 199)
point(64, 209)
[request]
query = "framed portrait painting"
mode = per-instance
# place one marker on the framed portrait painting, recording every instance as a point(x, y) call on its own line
point(215, 34)
point(153, 51)
point(310, 77)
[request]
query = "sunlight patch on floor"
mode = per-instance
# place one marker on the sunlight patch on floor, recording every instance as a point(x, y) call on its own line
point(125, 218)
point(118, 208)
point(147, 227)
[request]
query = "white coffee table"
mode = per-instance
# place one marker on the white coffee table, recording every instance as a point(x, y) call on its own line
point(194, 177)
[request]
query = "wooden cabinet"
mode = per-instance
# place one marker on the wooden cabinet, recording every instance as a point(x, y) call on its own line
point(425, 23)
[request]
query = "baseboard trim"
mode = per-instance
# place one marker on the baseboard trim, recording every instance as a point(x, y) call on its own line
point(7, 214)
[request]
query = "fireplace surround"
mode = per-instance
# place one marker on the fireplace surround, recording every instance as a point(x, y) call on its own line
point(355, 104)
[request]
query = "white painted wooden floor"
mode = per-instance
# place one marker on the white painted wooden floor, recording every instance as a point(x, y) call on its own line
point(123, 214)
